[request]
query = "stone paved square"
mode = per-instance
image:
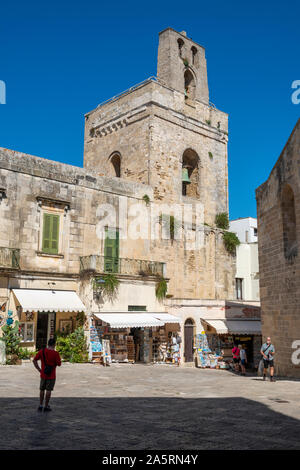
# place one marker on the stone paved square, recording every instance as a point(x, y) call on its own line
point(148, 407)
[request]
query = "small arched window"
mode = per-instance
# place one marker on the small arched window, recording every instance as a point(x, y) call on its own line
point(115, 161)
point(180, 43)
point(194, 53)
point(289, 222)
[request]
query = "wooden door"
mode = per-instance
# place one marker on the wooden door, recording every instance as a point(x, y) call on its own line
point(188, 342)
point(41, 330)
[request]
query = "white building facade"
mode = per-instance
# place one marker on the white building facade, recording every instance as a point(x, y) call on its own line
point(247, 268)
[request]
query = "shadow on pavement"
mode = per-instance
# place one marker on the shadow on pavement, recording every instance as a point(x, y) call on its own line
point(145, 423)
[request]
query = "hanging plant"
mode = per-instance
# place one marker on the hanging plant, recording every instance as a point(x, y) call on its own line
point(108, 285)
point(231, 241)
point(222, 220)
point(186, 62)
point(161, 289)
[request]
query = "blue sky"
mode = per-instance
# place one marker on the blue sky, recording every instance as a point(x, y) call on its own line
point(59, 60)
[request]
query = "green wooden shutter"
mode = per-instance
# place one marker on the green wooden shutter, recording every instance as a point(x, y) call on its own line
point(50, 234)
point(111, 251)
point(55, 234)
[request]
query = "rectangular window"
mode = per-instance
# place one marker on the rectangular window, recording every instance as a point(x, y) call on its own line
point(27, 332)
point(255, 231)
point(111, 250)
point(50, 233)
point(137, 308)
point(239, 288)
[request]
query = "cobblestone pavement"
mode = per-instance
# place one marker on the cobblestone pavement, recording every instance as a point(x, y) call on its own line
point(148, 407)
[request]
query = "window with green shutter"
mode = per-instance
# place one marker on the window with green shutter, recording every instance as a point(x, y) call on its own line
point(50, 234)
point(111, 250)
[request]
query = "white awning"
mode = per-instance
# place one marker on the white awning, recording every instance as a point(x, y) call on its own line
point(129, 320)
point(235, 326)
point(39, 300)
point(218, 325)
point(167, 318)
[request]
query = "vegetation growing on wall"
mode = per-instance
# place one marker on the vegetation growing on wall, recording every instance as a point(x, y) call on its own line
point(107, 284)
point(161, 288)
point(231, 241)
point(222, 220)
point(146, 198)
point(170, 223)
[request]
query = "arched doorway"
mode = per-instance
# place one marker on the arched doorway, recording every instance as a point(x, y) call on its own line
point(188, 340)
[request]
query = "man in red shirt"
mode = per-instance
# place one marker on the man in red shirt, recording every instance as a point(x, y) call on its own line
point(50, 359)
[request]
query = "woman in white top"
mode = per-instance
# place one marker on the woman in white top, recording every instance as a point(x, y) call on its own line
point(243, 358)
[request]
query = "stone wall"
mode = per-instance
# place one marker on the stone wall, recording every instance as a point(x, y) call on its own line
point(280, 271)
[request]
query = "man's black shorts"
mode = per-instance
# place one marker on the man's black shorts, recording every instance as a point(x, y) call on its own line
point(236, 360)
point(268, 363)
point(47, 384)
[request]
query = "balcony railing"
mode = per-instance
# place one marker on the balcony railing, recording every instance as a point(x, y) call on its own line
point(134, 267)
point(9, 258)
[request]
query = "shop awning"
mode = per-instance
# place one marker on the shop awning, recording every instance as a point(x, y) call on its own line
point(167, 318)
point(129, 320)
point(42, 300)
point(235, 326)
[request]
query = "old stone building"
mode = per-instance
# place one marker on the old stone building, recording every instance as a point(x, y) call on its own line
point(278, 212)
point(149, 153)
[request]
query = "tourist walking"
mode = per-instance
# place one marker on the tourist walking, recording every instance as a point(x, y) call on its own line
point(268, 351)
point(243, 358)
point(50, 359)
point(236, 357)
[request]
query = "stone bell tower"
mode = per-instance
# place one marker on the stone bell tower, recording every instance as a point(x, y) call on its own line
point(182, 64)
point(165, 134)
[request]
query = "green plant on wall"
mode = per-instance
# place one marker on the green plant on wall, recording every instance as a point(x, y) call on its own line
point(161, 288)
point(231, 241)
point(12, 339)
point(222, 220)
point(108, 285)
point(72, 347)
point(146, 199)
point(170, 223)
point(186, 62)
point(210, 155)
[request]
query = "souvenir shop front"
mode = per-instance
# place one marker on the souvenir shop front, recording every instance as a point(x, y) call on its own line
point(135, 337)
point(220, 336)
point(42, 312)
